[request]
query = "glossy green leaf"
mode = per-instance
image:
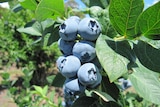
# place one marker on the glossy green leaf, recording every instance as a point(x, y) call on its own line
point(113, 56)
point(53, 32)
point(28, 4)
point(146, 83)
point(85, 102)
point(49, 9)
point(109, 88)
point(32, 28)
point(123, 15)
point(54, 36)
point(50, 79)
point(47, 23)
point(6, 76)
point(106, 97)
point(149, 22)
point(154, 43)
point(58, 80)
point(38, 89)
point(148, 55)
point(45, 90)
point(17, 8)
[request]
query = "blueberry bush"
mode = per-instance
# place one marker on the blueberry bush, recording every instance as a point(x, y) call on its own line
point(106, 54)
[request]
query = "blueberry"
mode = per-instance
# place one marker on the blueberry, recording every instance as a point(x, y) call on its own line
point(73, 87)
point(84, 50)
point(59, 62)
point(69, 66)
point(88, 74)
point(97, 83)
point(65, 46)
point(76, 18)
point(68, 30)
point(89, 29)
point(125, 83)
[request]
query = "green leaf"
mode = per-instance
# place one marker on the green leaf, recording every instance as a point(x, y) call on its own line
point(45, 90)
point(28, 4)
point(26, 83)
point(106, 97)
point(52, 94)
point(146, 83)
point(113, 56)
point(109, 88)
point(58, 80)
point(17, 8)
point(53, 33)
point(32, 28)
point(123, 15)
point(38, 89)
point(84, 102)
point(148, 55)
point(5, 76)
point(49, 9)
point(45, 39)
point(149, 22)
point(50, 79)
point(47, 23)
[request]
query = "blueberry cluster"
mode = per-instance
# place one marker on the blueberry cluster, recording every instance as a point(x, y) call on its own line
point(79, 63)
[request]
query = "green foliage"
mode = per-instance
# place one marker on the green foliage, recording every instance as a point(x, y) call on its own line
point(150, 57)
point(124, 14)
point(49, 8)
point(111, 58)
point(128, 47)
point(30, 4)
point(148, 22)
point(151, 86)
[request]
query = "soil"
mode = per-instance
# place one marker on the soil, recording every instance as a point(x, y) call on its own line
point(5, 100)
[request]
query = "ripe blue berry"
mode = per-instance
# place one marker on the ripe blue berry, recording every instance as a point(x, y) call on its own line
point(97, 83)
point(84, 50)
point(125, 83)
point(88, 74)
point(68, 30)
point(65, 46)
point(59, 62)
point(73, 87)
point(76, 18)
point(89, 29)
point(69, 66)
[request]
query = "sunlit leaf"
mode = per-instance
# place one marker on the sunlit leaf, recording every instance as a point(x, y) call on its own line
point(104, 96)
point(149, 22)
point(28, 4)
point(113, 56)
point(45, 90)
point(123, 15)
point(49, 9)
point(32, 28)
point(38, 89)
point(146, 83)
